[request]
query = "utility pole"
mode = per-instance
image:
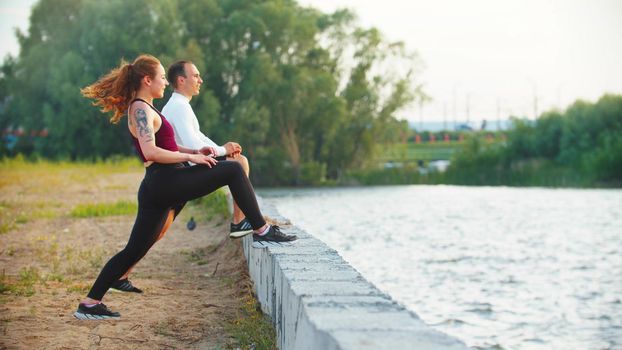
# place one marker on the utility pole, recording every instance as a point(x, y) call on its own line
point(498, 115)
point(534, 89)
point(535, 105)
point(444, 116)
point(421, 115)
point(454, 107)
point(468, 109)
point(559, 96)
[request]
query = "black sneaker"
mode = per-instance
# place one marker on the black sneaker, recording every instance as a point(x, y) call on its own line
point(97, 312)
point(274, 235)
point(125, 285)
point(241, 229)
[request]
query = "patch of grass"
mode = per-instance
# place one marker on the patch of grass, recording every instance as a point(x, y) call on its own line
point(22, 218)
point(251, 328)
point(426, 151)
point(199, 255)
point(10, 251)
point(44, 214)
point(80, 261)
point(6, 227)
point(104, 209)
point(55, 276)
point(228, 281)
point(49, 174)
point(78, 288)
point(16, 213)
point(28, 276)
point(110, 165)
point(213, 205)
point(4, 284)
point(7, 219)
point(23, 285)
point(162, 328)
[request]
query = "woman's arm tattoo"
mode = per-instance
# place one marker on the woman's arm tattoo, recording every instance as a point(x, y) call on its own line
point(142, 127)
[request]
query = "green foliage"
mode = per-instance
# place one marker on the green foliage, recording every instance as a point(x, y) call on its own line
point(104, 209)
point(392, 176)
point(579, 147)
point(606, 160)
point(23, 285)
point(213, 205)
point(411, 152)
point(200, 255)
point(251, 328)
point(305, 92)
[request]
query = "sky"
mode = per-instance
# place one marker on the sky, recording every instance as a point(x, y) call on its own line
point(510, 57)
point(483, 58)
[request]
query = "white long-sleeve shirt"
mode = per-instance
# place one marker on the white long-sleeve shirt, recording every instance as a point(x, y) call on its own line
point(179, 113)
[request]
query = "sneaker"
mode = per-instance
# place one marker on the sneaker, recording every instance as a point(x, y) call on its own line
point(97, 312)
point(125, 285)
point(241, 229)
point(274, 235)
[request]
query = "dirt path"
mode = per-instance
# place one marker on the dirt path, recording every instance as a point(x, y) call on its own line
point(194, 282)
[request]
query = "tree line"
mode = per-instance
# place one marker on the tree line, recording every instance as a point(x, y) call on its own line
point(581, 146)
point(308, 94)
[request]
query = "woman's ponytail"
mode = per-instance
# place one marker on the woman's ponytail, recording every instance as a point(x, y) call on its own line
point(115, 90)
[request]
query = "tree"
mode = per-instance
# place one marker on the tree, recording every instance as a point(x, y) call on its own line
point(308, 94)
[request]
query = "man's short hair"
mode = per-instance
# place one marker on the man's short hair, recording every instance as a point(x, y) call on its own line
point(176, 69)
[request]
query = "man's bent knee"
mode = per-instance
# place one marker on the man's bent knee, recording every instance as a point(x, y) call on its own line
point(243, 161)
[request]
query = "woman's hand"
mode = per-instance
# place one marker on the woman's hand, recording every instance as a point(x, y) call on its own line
point(202, 159)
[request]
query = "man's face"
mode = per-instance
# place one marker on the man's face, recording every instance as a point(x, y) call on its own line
point(191, 84)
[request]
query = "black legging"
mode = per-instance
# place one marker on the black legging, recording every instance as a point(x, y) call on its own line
point(166, 187)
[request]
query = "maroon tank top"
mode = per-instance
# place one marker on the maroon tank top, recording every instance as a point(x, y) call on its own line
point(164, 137)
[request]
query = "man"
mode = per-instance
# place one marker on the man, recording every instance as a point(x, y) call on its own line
point(186, 81)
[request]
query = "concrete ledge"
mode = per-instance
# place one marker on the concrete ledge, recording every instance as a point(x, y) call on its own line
point(316, 300)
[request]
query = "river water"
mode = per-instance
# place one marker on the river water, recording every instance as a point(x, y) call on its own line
point(499, 268)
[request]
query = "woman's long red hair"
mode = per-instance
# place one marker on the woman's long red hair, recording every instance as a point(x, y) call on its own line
point(115, 90)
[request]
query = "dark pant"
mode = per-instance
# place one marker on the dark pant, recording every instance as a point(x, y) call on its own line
point(170, 186)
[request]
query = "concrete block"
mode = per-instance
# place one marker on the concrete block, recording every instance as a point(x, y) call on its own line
point(316, 300)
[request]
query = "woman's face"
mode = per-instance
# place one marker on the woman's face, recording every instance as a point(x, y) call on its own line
point(158, 83)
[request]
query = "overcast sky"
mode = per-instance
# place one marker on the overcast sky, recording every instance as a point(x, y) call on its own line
point(508, 51)
point(479, 53)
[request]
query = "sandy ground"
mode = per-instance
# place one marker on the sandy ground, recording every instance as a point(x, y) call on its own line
point(194, 282)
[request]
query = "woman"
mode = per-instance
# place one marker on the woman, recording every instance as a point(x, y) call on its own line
point(168, 184)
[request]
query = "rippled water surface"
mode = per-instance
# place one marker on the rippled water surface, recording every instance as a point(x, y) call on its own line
point(499, 268)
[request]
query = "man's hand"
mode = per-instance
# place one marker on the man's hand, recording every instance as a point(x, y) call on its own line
point(208, 150)
point(232, 148)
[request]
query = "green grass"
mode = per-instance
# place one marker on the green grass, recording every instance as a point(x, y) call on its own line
point(213, 205)
point(23, 285)
point(5, 286)
point(199, 255)
point(251, 328)
point(7, 220)
point(14, 214)
point(80, 288)
point(108, 166)
point(104, 209)
point(50, 174)
point(424, 151)
point(439, 150)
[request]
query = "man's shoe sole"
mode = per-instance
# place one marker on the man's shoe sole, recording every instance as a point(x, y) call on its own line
point(239, 234)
